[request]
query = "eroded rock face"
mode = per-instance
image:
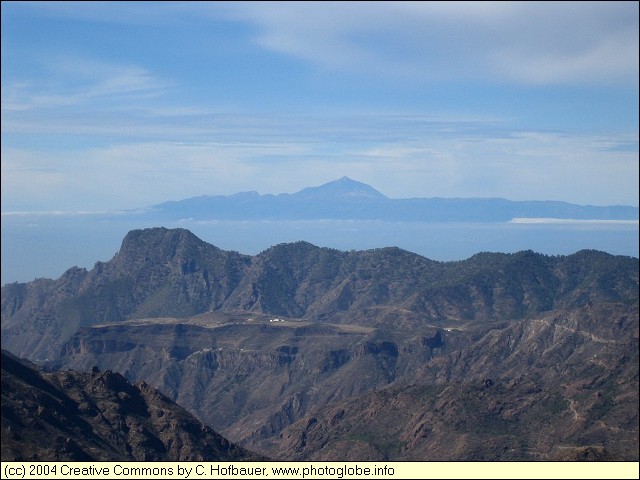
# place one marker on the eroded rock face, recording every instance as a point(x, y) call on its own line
point(66, 415)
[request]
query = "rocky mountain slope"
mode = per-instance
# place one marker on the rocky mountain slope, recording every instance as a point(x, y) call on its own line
point(66, 415)
point(425, 360)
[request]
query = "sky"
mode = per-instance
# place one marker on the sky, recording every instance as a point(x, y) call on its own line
point(121, 105)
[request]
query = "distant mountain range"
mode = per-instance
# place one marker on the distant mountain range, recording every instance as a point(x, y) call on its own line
point(348, 199)
point(309, 353)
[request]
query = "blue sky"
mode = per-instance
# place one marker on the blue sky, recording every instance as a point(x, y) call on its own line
point(123, 104)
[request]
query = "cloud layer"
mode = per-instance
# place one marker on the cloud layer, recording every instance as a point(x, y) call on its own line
point(523, 42)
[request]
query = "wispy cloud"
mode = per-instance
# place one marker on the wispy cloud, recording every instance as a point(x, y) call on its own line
point(514, 42)
point(73, 82)
point(521, 42)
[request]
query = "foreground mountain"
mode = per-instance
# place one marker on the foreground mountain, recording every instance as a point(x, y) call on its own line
point(303, 352)
point(349, 199)
point(62, 416)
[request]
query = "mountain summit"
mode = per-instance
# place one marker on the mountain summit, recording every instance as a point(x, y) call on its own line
point(343, 188)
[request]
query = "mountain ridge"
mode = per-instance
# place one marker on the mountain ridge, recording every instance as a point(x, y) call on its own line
point(170, 272)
